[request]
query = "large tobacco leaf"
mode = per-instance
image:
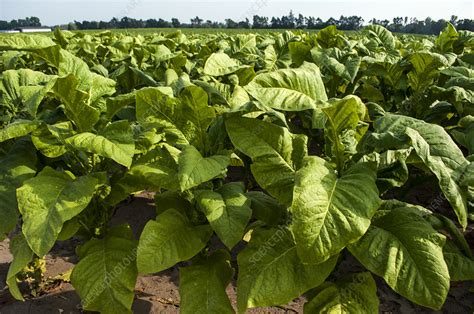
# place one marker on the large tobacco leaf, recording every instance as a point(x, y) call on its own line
point(276, 153)
point(156, 106)
point(219, 64)
point(17, 129)
point(171, 239)
point(289, 89)
point(194, 169)
point(115, 141)
point(25, 42)
point(271, 257)
point(156, 170)
point(405, 250)
point(76, 102)
point(106, 273)
point(22, 256)
point(197, 111)
point(461, 267)
point(330, 212)
point(344, 127)
point(47, 201)
point(356, 293)
point(25, 88)
point(202, 286)
point(227, 210)
point(435, 148)
point(16, 167)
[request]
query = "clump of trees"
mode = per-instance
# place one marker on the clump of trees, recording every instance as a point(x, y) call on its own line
point(290, 21)
point(426, 26)
point(32, 21)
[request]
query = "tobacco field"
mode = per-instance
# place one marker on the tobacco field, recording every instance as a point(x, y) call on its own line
point(272, 158)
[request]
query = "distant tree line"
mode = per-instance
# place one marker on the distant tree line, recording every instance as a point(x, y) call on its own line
point(32, 21)
point(290, 21)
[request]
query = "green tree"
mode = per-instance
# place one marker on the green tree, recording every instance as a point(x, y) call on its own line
point(196, 22)
point(175, 22)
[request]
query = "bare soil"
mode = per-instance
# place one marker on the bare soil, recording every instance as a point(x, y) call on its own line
point(160, 294)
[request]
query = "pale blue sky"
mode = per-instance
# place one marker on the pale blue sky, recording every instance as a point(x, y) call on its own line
point(61, 11)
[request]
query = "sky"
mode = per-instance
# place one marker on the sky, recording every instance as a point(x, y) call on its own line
point(53, 12)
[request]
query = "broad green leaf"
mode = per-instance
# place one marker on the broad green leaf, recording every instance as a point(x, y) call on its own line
point(299, 52)
point(330, 37)
point(202, 286)
point(94, 85)
point(218, 92)
point(25, 42)
point(69, 229)
point(32, 96)
point(245, 75)
point(76, 102)
point(22, 256)
point(282, 51)
point(197, 111)
point(402, 248)
point(194, 169)
point(468, 177)
point(392, 170)
point(355, 293)
point(344, 128)
point(464, 133)
point(174, 200)
point(239, 98)
point(62, 36)
point(458, 71)
point(383, 36)
point(266, 208)
point(132, 78)
point(219, 64)
point(426, 67)
point(162, 53)
point(16, 167)
point(270, 272)
point(393, 74)
point(446, 39)
point(352, 66)
point(227, 210)
point(461, 267)
point(330, 212)
point(114, 142)
point(448, 179)
point(49, 140)
point(244, 43)
point(276, 153)
point(106, 273)
point(156, 106)
point(289, 89)
point(171, 77)
point(25, 87)
point(115, 104)
point(47, 201)
point(154, 171)
point(171, 239)
point(270, 58)
point(447, 226)
point(17, 129)
point(433, 146)
point(67, 64)
point(346, 69)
